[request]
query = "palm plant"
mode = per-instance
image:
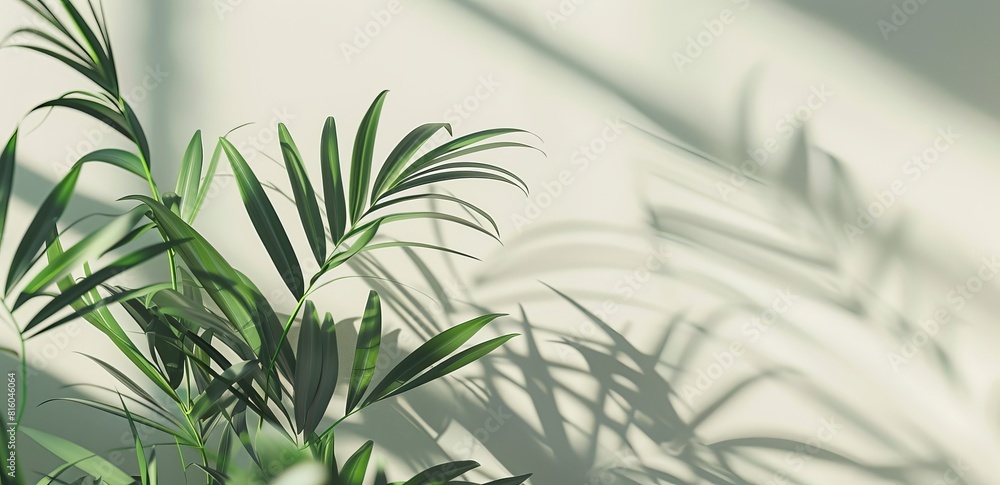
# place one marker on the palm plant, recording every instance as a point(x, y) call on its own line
point(215, 346)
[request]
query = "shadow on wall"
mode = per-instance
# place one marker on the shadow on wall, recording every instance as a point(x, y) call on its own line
point(949, 43)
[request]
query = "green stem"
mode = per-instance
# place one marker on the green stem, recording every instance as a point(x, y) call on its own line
point(284, 335)
point(200, 442)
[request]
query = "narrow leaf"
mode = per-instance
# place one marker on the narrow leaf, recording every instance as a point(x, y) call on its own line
point(439, 474)
point(305, 196)
point(118, 266)
point(40, 228)
point(7, 162)
point(90, 247)
point(265, 221)
point(366, 352)
point(406, 148)
point(85, 460)
point(190, 175)
point(435, 349)
point(210, 398)
point(361, 162)
point(329, 368)
point(454, 363)
point(333, 185)
point(356, 466)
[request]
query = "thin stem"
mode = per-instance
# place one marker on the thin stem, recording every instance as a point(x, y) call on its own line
point(284, 335)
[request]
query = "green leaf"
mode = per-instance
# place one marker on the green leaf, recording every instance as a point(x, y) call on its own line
point(265, 221)
point(305, 196)
point(454, 363)
point(361, 163)
point(518, 480)
point(406, 148)
point(129, 383)
point(80, 289)
point(190, 175)
point(120, 158)
point(467, 205)
point(7, 162)
point(368, 232)
point(86, 461)
point(405, 216)
point(357, 465)
point(446, 176)
point(380, 478)
point(215, 274)
point(211, 397)
point(329, 366)
point(442, 152)
point(310, 360)
point(40, 228)
point(225, 453)
point(408, 244)
point(94, 309)
point(486, 167)
point(137, 134)
point(139, 451)
point(440, 474)
point(333, 185)
point(97, 110)
point(206, 183)
point(107, 408)
point(325, 450)
point(366, 352)
point(90, 247)
point(435, 349)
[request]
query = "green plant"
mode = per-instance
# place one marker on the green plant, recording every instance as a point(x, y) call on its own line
point(215, 346)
